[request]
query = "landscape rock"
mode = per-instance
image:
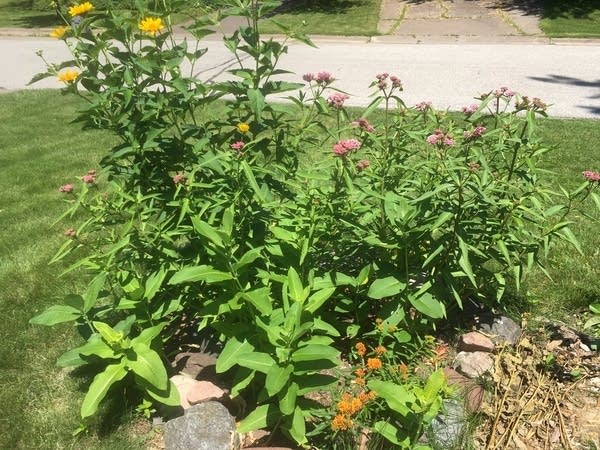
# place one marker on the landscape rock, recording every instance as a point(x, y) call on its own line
point(206, 426)
point(468, 389)
point(200, 364)
point(447, 428)
point(184, 385)
point(203, 391)
point(475, 342)
point(501, 329)
point(473, 364)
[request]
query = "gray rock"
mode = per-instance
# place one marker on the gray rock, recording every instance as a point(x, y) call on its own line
point(502, 329)
point(473, 364)
point(206, 426)
point(475, 342)
point(447, 428)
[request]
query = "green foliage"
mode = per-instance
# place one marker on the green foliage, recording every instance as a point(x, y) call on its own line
point(212, 220)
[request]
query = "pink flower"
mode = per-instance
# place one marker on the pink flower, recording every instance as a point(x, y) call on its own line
point(324, 78)
point(423, 106)
point(396, 82)
point(440, 138)
point(71, 233)
point(474, 134)
point(504, 92)
point(474, 167)
point(382, 76)
point(179, 178)
point(90, 177)
point(343, 147)
point(591, 176)
point(470, 109)
point(66, 188)
point(337, 100)
point(433, 139)
point(448, 141)
point(363, 124)
point(362, 164)
point(308, 77)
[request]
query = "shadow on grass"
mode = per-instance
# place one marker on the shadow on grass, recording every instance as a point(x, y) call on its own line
point(321, 6)
point(593, 86)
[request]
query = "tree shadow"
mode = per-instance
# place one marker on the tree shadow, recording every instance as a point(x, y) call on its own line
point(594, 86)
point(25, 15)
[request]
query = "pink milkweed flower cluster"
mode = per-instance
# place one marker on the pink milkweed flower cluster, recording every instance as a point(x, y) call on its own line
point(591, 176)
point(66, 188)
point(362, 164)
point(440, 138)
point(382, 81)
point(337, 100)
point(363, 124)
point(423, 106)
point(89, 177)
point(470, 109)
point(179, 178)
point(474, 134)
point(238, 146)
point(322, 78)
point(474, 167)
point(504, 92)
point(345, 146)
point(70, 233)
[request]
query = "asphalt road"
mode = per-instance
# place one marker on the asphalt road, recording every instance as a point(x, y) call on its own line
point(449, 75)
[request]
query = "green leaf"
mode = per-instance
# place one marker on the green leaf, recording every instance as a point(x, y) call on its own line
point(99, 387)
point(258, 361)
point(148, 334)
point(260, 299)
point(316, 300)
point(287, 403)
point(314, 352)
point(252, 181)
point(298, 429)
point(207, 231)
point(388, 431)
point(385, 287)
point(295, 288)
point(261, 417)
point(435, 383)
point(153, 283)
point(95, 346)
point(395, 395)
point(249, 257)
point(147, 364)
point(56, 314)
point(169, 397)
point(464, 262)
point(231, 352)
point(256, 102)
point(428, 305)
point(108, 333)
point(277, 377)
point(199, 273)
point(91, 294)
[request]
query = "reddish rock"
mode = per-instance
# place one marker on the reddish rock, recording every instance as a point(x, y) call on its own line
point(184, 385)
point(475, 342)
point(470, 390)
point(204, 391)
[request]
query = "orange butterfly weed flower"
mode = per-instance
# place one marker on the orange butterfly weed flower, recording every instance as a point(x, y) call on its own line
point(341, 423)
point(374, 363)
point(360, 372)
point(361, 349)
point(349, 405)
point(380, 350)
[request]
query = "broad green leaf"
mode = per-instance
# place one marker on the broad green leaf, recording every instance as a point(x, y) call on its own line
point(147, 364)
point(95, 346)
point(287, 402)
point(428, 305)
point(56, 314)
point(207, 231)
point(252, 181)
point(169, 397)
point(295, 288)
point(258, 361)
point(385, 287)
point(99, 387)
point(199, 273)
point(395, 395)
point(249, 257)
point(91, 294)
point(231, 352)
point(388, 431)
point(277, 377)
point(435, 383)
point(75, 301)
point(148, 334)
point(314, 382)
point(243, 377)
point(316, 300)
point(298, 428)
point(313, 352)
point(257, 103)
point(108, 333)
point(261, 300)
point(261, 417)
point(70, 358)
point(464, 261)
point(154, 283)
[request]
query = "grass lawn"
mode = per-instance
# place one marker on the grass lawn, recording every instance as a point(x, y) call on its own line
point(39, 151)
point(572, 18)
point(19, 14)
point(335, 17)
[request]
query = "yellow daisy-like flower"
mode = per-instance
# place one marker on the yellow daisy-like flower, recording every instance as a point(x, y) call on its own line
point(59, 32)
point(80, 9)
point(243, 127)
point(151, 25)
point(68, 76)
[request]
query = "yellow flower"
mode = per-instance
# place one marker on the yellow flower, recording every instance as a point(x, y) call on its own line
point(69, 75)
point(243, 127)
point(80, 9)
point(59, 32)
point(151, 25)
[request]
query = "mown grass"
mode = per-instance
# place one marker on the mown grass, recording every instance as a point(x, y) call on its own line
point(21, 14)
point(330, 17)
point(39, 151)
point(573, 18)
